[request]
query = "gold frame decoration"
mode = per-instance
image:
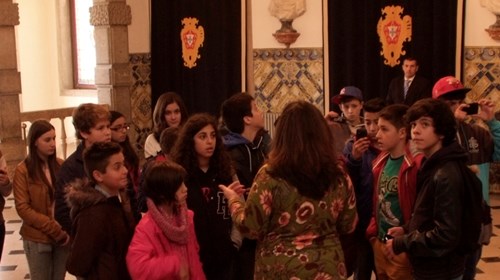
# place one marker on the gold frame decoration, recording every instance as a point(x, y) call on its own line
point(192, 38)
point(393, 31)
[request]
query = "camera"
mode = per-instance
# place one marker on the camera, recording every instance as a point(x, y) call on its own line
point(361, 132)
point(472, 109)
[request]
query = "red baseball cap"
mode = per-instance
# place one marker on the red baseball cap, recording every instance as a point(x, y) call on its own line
point(449, 87)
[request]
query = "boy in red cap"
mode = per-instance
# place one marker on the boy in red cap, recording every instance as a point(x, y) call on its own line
point(482, 146)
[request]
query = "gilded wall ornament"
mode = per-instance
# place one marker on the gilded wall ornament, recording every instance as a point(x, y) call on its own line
point(192, 38)
point(393, 31)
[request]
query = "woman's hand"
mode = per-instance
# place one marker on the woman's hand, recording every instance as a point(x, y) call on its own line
point(229, 193)
point(237, 188)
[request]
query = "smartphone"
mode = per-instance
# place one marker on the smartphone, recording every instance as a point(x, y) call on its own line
point(361, 132)
point(387, 237)
point(472, 109)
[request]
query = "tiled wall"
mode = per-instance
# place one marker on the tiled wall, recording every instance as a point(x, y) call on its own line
point(284, 75)
point(482, 73)
point(281, 75)
point(140, 65)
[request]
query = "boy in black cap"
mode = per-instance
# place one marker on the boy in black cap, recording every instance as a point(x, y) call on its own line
point(350, 101)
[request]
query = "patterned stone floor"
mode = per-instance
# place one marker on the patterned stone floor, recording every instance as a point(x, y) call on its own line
point(13, 265)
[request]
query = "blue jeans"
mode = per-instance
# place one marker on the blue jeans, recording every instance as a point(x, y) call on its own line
point(46, 261)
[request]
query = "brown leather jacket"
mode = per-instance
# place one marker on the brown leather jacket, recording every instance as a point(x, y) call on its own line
point(34, 204)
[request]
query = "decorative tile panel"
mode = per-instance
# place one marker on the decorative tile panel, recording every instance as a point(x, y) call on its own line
point(482, 73)
point(140, 65)
point(285, 75)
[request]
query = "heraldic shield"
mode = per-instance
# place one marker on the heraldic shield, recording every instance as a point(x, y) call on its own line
point(393, 31)
point(192, 38)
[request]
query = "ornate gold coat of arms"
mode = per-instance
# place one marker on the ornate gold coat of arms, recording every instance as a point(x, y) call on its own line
point(393, 31)
point(192, 38)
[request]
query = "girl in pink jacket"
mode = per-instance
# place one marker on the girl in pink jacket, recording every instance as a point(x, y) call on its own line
point(164, 245)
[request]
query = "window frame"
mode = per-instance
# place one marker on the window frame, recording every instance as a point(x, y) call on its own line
point(74, 50)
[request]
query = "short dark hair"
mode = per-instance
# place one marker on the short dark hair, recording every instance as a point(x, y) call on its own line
point(374, 105)
point(234, 109)
point(163, 179)
point(441, 115)
point(96, 157)
point(87, 115)
point(395, 115)
point(411, 58)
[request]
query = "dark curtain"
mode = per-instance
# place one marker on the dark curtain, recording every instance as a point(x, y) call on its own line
point(218, 71)
point(354, 46)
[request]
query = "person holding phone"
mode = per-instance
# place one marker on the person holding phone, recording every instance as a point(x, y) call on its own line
point(359, 153)
point(482, 146)
point(343, 127)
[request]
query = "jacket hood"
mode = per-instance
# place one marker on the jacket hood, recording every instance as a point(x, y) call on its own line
point(80, 195)
point(451, 152)
point(232, 139)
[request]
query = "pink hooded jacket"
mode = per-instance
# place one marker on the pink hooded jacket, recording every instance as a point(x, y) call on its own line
point(152, 256)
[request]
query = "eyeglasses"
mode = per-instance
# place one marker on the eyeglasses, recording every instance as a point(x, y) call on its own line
point(120, 127)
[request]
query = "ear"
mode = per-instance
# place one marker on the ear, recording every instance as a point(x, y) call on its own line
point(247, 120)
point(98, 176)
point(84, 135)
point(402, 133)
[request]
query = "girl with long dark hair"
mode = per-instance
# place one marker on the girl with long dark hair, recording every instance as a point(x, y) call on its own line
point(199, 149)
point(44, 240)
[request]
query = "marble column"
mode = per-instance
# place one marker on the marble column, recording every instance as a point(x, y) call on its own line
point(113, 77)
point(11, 142)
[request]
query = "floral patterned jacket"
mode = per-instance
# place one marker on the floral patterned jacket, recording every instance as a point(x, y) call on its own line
point(298, 237)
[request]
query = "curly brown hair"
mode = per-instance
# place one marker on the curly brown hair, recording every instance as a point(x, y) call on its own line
point(184, 152)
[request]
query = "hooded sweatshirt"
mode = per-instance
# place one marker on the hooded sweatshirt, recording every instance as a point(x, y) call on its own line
point(247, 157)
